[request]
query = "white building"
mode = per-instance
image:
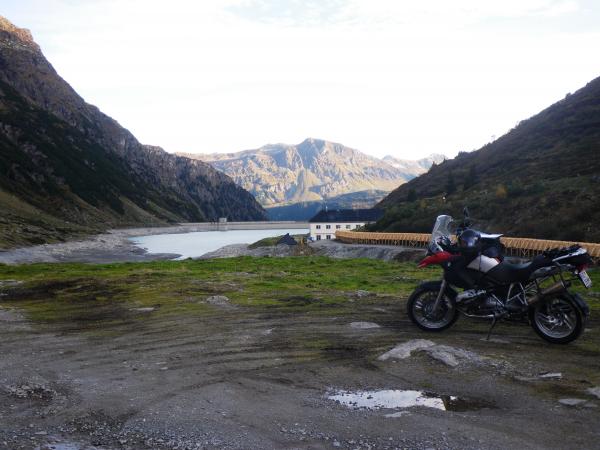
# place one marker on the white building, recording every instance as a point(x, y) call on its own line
point(324, 225)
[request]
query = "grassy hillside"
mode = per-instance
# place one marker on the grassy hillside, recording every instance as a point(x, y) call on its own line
point(542, 179)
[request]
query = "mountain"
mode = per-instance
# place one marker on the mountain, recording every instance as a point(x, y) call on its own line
point(306, 210)
point(66, 168)
point(313, 170)
point(540, 180)
point(415, 167)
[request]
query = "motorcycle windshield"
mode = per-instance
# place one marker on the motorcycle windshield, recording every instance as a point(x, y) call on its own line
point(440, 233)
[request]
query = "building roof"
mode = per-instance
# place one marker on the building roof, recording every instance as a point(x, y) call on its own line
point(348, 215)
point(287, 239)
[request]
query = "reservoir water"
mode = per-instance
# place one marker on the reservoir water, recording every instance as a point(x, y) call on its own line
point(191, 245)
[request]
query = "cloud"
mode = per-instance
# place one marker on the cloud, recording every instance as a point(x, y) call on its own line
point(400, 77)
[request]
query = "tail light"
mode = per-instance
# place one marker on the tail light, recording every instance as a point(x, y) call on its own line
point(582, 267)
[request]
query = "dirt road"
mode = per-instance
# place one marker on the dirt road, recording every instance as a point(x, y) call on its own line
point(245, 378)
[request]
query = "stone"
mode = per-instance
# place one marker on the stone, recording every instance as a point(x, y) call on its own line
point(146, 309)
point(571, 401)
point(551, 375)
point(403, 351)
point(451, 356)
point(364, 325)
point(397, 414)
point(594, 391)
point(218, 300)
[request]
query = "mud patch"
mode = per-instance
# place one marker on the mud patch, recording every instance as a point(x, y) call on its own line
point(398, 398)
point(299, 300)
point(77, 303)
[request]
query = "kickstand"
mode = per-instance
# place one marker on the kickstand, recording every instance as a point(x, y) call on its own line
point(494, 322)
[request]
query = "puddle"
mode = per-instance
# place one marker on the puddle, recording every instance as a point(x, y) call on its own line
point(397, 398)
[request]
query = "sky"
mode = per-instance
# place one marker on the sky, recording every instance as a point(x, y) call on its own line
point(400, 77)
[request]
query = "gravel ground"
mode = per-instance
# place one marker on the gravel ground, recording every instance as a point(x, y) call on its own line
point(245, 378)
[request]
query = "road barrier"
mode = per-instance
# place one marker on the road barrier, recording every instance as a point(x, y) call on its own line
point(522, 247)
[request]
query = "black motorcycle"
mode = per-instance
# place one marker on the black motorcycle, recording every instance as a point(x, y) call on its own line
point(478, 282)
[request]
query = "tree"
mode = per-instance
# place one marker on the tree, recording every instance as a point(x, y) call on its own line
point(411, 196)
point(471, 178)
point(450, 184)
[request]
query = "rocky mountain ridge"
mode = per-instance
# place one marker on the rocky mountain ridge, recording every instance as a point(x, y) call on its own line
point(70, 167)
point(314, 170)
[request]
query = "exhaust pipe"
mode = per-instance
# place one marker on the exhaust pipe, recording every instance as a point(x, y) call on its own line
point(552, 290)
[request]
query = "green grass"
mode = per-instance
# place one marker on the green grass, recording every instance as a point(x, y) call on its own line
point(98, 294)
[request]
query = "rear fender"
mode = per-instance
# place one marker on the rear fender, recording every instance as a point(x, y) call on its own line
point(580, 302)
point(575, 297)
point(436, 285)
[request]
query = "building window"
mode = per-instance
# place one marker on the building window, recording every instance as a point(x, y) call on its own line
point(318, 237)
point(337, 227)
point(328, 227)
point(318, 227)
point(347, 227)
point(328, 236)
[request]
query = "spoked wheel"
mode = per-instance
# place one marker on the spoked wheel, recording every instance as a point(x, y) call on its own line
point(557, 320)
point(420, 309)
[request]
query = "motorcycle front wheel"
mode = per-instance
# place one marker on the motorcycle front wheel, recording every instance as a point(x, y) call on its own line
point(558, 320)
point(420, 309)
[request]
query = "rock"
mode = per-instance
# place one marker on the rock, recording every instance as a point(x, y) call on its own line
point(552, 375)
point(495, 340)
point(218, 300)
point(451, 356)
point(146, 309)
point(403, 351)
point(571, 401)
point(397, 414)
point(363, 325)
point(362, 293)
point(594, 391)
point(337, 443)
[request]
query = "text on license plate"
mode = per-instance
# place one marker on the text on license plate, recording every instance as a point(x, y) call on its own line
point(585, 279)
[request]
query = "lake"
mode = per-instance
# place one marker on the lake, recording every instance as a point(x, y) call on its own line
point(191, 245)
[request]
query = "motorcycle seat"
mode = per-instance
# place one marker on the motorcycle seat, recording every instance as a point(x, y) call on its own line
point(506, 272)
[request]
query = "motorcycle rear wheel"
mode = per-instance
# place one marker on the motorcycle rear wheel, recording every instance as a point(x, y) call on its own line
point(557, 320)
point(419, 308)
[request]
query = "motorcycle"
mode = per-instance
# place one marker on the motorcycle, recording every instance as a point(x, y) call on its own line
point(478, 282)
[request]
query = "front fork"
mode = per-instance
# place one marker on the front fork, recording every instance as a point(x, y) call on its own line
point(438, 299)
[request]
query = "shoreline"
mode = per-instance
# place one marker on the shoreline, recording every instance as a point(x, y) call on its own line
point(116, 246)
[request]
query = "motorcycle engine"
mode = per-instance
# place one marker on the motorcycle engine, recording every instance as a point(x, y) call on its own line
point(478, 302)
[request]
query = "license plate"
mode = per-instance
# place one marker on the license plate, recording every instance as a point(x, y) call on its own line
point(585, 279)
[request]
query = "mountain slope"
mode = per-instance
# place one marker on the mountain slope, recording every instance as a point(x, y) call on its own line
point(542, 179)
point(313, 170)
point(66, 168)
